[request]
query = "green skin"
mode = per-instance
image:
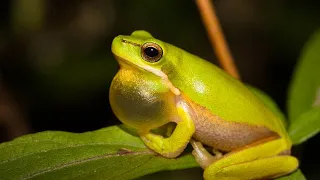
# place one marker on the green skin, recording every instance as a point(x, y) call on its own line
point(205, 103)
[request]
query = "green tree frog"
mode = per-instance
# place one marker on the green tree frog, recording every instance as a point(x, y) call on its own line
point(159, 83)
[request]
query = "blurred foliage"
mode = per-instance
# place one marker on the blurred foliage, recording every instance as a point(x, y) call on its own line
point(304, 91)
point(304, 94)
point(56, 65)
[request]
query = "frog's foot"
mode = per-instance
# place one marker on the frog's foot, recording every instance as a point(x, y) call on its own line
point(202, 156)
point(257, 161)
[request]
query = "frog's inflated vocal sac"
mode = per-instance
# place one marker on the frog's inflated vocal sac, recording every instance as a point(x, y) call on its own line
point(159, 83)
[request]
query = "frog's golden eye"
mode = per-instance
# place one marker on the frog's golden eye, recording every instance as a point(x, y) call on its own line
point(151, 52)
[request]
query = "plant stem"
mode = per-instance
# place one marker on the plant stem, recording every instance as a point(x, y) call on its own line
point(216, 37)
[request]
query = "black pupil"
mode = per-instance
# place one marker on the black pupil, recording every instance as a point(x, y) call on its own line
point(151, 51)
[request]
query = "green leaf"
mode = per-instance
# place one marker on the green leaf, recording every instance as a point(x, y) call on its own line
point(304, 93)
point(297, 175)
point(268, 102)
point(306, 79)
point(109, 153)
point(306, 126)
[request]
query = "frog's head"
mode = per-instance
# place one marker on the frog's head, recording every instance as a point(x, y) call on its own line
point(141, 95)
point(141, 50)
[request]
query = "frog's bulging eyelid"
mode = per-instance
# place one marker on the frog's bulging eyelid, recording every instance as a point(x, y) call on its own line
point(129, 42)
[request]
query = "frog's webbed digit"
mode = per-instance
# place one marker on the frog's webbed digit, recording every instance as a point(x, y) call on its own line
point(172, 146)
point(202, 156)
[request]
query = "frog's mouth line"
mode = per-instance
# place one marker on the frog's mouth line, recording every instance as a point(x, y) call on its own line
point(124, 61)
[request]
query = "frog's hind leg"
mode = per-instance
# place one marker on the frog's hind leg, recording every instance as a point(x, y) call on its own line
point(256, 161)
point(266, 168)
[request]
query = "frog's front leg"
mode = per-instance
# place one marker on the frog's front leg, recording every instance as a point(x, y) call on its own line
point(261, 160)
point(172, 146)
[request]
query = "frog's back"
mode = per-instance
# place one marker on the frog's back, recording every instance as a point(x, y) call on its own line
point(221, 95)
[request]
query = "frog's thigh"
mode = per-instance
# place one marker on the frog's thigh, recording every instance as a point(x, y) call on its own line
point(270, 167)
point(172, 146)
point(253, 162)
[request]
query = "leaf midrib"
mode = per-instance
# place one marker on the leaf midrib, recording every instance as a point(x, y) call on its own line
point(85, 160)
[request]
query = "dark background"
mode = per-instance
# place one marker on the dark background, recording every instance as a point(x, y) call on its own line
point(56, 65)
